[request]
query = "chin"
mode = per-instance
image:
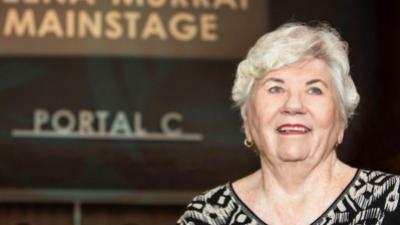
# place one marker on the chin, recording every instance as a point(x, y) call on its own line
point(292, 159)
point(293, 156)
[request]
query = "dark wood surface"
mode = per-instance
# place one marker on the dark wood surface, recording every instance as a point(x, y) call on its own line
point(62, 214)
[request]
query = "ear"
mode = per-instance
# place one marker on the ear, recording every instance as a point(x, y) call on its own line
point(340, 134)
point(246, 130)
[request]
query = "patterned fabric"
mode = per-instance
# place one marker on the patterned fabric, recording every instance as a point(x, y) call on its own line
point(371, 198)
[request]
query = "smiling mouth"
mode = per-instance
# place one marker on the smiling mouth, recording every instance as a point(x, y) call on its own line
point(296, 129)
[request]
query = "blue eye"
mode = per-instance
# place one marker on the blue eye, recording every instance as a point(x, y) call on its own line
point(275, 89)
point(314, 91)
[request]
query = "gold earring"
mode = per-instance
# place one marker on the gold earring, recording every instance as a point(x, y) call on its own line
point(336, 145)
point(248, 143)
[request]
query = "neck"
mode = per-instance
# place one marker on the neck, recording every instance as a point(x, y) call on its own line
point(298, 178)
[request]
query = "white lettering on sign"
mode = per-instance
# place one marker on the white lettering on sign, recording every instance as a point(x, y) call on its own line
point(100, 124)
point(205, 4)
point(111, 25)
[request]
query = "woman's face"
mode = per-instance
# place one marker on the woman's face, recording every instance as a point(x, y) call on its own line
point(292, 114)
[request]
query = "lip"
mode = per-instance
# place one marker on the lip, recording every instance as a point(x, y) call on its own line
point(293, 129)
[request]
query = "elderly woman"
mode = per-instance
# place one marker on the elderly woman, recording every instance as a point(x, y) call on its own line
point(296, 97)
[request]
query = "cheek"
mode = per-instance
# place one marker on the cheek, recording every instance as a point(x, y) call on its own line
point(264, 110)
point(325, 114)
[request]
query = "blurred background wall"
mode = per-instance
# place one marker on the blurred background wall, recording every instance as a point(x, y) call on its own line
point(127, 131)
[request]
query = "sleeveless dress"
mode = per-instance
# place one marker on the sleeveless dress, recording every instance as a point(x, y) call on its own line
point(371, 198)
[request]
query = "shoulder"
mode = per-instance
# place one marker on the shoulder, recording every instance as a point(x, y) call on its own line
point(377, 194)
point(379, 178)
point(377, 182)
point(377, 189)
point(211, 207)
point(377, 173)
point(217, 197)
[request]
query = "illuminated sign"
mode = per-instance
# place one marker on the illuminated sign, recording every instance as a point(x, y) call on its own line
point(159, 28)
point(65, 124)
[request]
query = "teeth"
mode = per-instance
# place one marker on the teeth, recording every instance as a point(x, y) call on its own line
point(285, 129)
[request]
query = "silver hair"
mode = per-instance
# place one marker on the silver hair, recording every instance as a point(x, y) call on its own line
point(288, 44)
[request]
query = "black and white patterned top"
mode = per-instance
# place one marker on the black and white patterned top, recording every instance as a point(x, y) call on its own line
point(372, 197)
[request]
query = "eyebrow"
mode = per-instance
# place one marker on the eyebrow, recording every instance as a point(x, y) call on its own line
point(313, 81)
point(273, 79)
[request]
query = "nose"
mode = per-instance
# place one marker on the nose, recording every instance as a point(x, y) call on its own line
point(293, 104)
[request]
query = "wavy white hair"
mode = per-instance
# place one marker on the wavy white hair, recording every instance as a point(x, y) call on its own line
point(288, 44)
